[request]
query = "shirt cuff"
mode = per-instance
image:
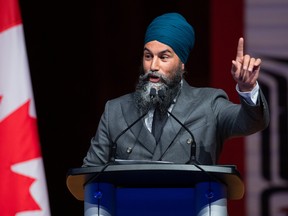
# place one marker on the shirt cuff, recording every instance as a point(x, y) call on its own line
point(251, 96)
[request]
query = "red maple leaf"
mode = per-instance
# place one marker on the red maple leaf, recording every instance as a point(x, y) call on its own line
point(19, 142)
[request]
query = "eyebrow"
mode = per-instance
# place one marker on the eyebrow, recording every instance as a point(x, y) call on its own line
point(163, 51)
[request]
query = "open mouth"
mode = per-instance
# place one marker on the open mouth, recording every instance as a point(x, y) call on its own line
point(154, 78)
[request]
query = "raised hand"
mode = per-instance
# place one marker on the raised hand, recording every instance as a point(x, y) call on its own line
point(245, 69)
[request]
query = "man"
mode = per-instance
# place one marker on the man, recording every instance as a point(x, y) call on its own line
point(201, 117)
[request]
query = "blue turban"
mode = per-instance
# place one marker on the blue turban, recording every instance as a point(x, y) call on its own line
point(173, 30)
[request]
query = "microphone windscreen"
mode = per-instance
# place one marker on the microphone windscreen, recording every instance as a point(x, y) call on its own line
point(152, 92)
point(161, 93)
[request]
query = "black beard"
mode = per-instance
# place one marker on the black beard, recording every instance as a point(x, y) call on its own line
point(169, 87)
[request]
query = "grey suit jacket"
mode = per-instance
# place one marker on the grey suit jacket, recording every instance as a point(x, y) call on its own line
point(207, 112)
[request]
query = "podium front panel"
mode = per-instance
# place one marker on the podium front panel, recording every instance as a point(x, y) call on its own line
point(107, 200)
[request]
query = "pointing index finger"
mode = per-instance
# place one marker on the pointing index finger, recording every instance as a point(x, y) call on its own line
point(240, 50)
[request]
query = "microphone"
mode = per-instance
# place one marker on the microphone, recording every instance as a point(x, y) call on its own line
point(113, 148)
point(192, 141)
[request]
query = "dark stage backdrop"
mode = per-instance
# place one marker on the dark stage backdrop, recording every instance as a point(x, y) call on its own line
point(83, 53)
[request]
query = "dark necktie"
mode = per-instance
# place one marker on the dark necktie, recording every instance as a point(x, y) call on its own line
point(159, 120)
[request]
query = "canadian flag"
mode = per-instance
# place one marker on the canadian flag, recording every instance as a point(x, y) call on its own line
point(23, 189)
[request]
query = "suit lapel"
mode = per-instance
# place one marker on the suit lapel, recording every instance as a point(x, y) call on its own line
point(181, 111)
point(139, 130)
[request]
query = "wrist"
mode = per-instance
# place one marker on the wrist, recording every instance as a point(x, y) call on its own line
point(246, 88)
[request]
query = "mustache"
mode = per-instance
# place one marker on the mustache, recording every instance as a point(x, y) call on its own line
point(146, 76)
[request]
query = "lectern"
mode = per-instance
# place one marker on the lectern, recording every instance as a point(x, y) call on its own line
point(155, 189)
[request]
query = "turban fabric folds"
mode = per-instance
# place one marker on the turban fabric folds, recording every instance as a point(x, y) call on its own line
point(173, 30)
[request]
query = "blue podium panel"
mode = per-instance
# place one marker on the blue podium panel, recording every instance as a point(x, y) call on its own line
point(206, 198)
point(155, 201)
point(100, 199)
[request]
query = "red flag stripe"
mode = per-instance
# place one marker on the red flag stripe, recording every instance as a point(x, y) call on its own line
point(9, 14)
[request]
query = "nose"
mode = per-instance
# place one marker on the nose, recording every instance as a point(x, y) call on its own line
point(154, 64)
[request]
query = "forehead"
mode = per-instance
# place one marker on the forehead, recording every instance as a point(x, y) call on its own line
point(156, 46)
